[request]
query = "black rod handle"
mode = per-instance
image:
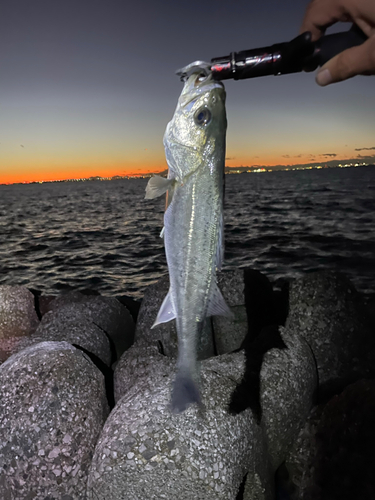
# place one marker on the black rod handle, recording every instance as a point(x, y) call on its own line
point(284, 58)
point(329, 46)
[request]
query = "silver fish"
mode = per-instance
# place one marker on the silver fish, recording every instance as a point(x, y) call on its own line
point(194, 144)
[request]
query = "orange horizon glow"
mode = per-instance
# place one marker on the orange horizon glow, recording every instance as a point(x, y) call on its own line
point(21, 178)
point(60, 172)
point(21, 174)
point(25, 176)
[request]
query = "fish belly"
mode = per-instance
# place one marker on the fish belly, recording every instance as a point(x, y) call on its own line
point(191, 240)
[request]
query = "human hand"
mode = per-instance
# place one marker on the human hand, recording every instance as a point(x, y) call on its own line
point(360, 60)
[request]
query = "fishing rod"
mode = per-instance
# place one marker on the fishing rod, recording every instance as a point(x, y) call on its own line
point(300, 54)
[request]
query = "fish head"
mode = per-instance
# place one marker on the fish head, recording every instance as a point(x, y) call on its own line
point(196, 134)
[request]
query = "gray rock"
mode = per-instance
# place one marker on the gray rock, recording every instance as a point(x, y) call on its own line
point(70, 326)
point(18, 318)
point(299, 460)
point(221, 334)
point(229, 333)
point(325, 309)
point(60, 326)
point(52, 409)
point(145, 452)
point(164, 336)
point(105, 312)
point(370, 309)
point(141, 362)
point(251, 298)
point(259, 484)
point(288, 385)
point(232, 285)
point(44, 302)
point(335, 450)
point(72, 297)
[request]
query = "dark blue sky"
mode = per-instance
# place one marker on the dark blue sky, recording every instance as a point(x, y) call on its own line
point(87, 87)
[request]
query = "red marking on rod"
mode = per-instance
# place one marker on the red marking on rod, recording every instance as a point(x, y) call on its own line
point(220, 67)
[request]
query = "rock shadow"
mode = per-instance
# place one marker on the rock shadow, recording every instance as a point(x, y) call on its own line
point(266, 310)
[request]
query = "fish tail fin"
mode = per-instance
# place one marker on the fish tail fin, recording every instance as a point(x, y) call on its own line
point(185, 392)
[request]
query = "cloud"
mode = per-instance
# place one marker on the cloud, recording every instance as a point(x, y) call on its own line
point(285, 156)
point(329, 154)
point(366, 157)
point(365, 149)
point(230, 158)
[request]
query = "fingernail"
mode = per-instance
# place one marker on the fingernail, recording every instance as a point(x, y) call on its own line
point(324, 77)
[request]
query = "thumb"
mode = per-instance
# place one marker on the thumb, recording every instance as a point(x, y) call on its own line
point(358, 60)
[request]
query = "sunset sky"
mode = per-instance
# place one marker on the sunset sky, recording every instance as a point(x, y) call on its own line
point(88, 86)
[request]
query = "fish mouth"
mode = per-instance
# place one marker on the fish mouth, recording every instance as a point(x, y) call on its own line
point(194, 67)
point(199, 83)
point(193, 92)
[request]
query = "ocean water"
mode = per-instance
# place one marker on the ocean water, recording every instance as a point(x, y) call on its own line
point(104, 236)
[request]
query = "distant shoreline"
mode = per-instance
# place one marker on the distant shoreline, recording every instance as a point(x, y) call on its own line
point(228, 171)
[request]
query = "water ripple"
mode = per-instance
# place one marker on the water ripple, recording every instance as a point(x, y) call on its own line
point(104, 235)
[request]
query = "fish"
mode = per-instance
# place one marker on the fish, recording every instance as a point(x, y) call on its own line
point(193, 232)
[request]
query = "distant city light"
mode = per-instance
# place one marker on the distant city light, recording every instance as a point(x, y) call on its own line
point(228, 171)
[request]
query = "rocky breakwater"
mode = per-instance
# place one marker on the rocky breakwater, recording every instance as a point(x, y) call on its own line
point(84, 402)
point(54, 397)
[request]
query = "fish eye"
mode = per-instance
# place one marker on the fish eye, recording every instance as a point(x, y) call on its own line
point(202, 116)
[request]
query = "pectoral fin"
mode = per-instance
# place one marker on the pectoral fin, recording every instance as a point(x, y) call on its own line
point(157, 186)
point(166, 312)
point(217, 305)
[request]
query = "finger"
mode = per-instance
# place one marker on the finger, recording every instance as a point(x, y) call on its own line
point(358, 60)
point(321, 14)
point(367, 28)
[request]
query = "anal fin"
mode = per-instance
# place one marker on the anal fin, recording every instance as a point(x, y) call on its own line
point(166, 312)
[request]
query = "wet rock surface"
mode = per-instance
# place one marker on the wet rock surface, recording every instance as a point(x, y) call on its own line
point(52, 409)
